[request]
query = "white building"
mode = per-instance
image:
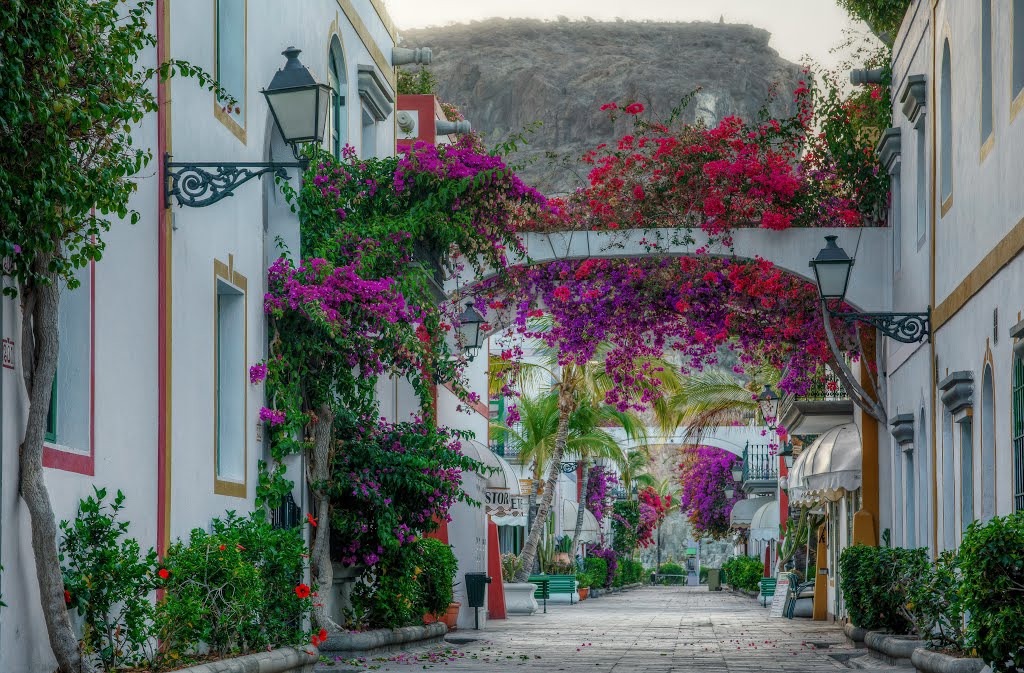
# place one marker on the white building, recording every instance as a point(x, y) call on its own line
point(152, 389)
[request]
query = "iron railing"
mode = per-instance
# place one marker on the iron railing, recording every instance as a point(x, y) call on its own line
point(760, 462)
point(827, 387)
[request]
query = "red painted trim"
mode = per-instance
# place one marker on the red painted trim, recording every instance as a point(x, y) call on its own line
point(496, 589)
point(70, 461)
point(428, 110)
point(162, 291)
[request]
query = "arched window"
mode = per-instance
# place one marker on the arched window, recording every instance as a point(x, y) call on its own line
point(948, 483)
point(1018, 48)
point(1018, 433)
point(946, 128)
point(986, 70)
point(338, 122)
point(898, 524)
point(988, 446)
point(909, 495)
point(966, 473)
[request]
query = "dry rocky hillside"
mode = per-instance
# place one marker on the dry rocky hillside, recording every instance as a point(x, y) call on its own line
point(505, 74)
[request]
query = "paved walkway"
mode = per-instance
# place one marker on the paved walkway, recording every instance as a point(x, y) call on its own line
point(652, 629)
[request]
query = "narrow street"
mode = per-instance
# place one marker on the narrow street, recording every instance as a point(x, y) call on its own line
point(653, 629)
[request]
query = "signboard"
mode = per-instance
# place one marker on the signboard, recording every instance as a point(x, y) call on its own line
point(504, 503)
point(779, 599)
point(8, 351)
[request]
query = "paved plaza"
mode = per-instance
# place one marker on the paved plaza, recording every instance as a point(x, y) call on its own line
point(652, 629)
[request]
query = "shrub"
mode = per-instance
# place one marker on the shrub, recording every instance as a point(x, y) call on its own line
point(703, 575)
point(510, 566)
point(992, 563)
point(936, 603)
point(597, 569)
point(743, 572)
point(438, 567)
point(631, 571)
point(671, 569)
point(390, 597)
point(583, 579)
point(874, 597)
point(237, 589)
point(108, 580)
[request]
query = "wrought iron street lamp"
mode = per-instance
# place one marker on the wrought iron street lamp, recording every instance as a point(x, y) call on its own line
point(730, 492)
point(298, 104)
point(768, 402)
point(737, 471)
point(470, 327)
point(832, 269)
point(786, 453)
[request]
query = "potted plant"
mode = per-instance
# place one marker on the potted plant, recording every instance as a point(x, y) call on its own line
point(519, 596)
point(437, 566)
point(584, 585)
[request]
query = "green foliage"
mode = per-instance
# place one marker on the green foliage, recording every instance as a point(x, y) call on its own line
point(510, 566)
point(625, 522)
point(876, 585)
point(743, 572)
point(703, 575)
point(420, 81)
point(391, 596)
point(237, 589)
point(936, 606)
point(597, 569)
point(671, 569)
point(992, 563)
point(631, 571)
point(584, 580)
point(882, 16)
point(108, 581)
point(437, 567)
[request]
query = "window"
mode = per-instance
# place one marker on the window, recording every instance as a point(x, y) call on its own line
point(948, 483)
point(988, 446)
point(966, 474)
point(923, 472)
point(909, 491)
point(69, 418)
point(369, 134)
point(896, 218)
point(898, 524)
point(230, 378)
point(922, 184)
point(1018, 50)
point(338, 122)
point(986, 70)
point(230, 64)
point(1018, 433)
point(946, 129)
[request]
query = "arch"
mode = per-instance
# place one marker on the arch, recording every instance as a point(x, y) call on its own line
point(946, 128)
point(910, 499)
point(988, 445)
point(986, 70)
point(337, 77)
point(966, 473)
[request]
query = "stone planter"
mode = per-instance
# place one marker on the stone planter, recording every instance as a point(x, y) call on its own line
point(284, 660)
point(339, 598)
point(854, 634)
point(519, 598)
point(895, 650)
point(928, 661)
point(366, 643)
point(595, 592)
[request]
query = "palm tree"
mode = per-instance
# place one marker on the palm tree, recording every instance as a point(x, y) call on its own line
point(714, 397)
point(633, 471)
point(575, 386)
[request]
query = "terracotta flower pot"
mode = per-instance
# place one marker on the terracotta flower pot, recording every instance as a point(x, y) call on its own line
point(451, 617)
point(584, 592)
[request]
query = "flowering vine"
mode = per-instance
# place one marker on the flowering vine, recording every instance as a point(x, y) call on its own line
point(704, 475)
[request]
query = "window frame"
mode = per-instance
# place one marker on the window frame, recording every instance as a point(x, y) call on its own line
point(226, 118)
point(1017, 429)
point(1016, 52)
point(946, 162)
point(337, 76)
point(987, 82)
point(225, 273)
point(967, 514)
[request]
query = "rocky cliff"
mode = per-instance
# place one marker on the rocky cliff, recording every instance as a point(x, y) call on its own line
point(505, 74)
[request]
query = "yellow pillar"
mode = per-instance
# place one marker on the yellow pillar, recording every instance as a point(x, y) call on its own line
point(820, 578)
point(868, 516)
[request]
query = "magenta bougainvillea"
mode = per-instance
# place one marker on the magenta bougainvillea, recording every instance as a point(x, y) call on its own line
point(704, 475)
point(599, 484)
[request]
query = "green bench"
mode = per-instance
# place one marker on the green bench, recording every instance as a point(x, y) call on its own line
point(767, 589)
point(553, 584)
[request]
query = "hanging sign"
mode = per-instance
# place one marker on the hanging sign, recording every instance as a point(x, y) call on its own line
point(504, 503)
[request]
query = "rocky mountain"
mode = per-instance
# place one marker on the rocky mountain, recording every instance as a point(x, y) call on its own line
point(505, 74)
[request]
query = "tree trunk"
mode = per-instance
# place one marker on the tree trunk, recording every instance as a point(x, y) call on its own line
point(319, 472)
point(40, 346)
point(529, 553)
point(582, 507)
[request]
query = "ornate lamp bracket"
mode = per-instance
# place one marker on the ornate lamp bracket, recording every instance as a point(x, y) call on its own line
point(569, 466)
point(197, 184)
point(908, 328)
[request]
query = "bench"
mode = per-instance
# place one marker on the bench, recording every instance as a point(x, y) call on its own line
point(553, 584)
point(767, 589)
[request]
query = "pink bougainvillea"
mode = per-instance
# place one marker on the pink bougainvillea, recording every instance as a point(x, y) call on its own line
point(705, 473)
point(599, 484)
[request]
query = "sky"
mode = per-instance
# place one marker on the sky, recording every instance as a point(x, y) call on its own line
point(799, 28)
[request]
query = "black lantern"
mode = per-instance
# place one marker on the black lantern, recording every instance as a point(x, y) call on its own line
point(832, 270)
point(729, 492)
point(768, 402)
point(299, 106)
point(786, 453)
point(470, 327)
point(297, 101)
point(737, 471)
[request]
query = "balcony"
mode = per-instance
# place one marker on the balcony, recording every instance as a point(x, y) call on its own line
point(760, 469)
point(824, 406)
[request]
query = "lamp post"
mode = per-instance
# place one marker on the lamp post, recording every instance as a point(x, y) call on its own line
point(298, 104)
point(768, 402)
point(470, 328)
point(730, 492)
point(737, 471)
point(832, 269)
point(786, 453)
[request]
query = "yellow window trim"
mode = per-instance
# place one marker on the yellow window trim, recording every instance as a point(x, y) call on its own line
point(236, 129)
point(986, 147)
point(947, 204)
point(227, 273)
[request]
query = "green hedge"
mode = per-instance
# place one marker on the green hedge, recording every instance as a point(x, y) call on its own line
point(671, 569)
point(597, 569)
point(876, 587)
point(631, 571)
point(992, 586)
point(743, 572)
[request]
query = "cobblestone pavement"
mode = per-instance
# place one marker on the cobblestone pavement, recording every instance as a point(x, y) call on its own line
point(651, 629)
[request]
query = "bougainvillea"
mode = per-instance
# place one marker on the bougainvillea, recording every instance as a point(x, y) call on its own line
point(633, 522)
point(705, 473)
point(611, 560)
point(599, 484)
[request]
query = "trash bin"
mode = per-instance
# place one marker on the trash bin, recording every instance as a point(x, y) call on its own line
point(714, 579)
point(654, 578)
point(476, 587)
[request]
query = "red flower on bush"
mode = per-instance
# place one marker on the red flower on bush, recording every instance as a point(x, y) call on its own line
point(310, 519)
point(634, 108)
point(302, 591)
point(323, 635)
point(609, 106)
point(67, 597)
point(164, 573)
point(561, 293)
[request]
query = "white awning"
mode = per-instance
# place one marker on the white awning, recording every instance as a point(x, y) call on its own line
point(509, 520)
point(590, 533)
point(764, 525)
point(832, 464)
point(502, 475)
point(743, 511)
point(796, 490)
